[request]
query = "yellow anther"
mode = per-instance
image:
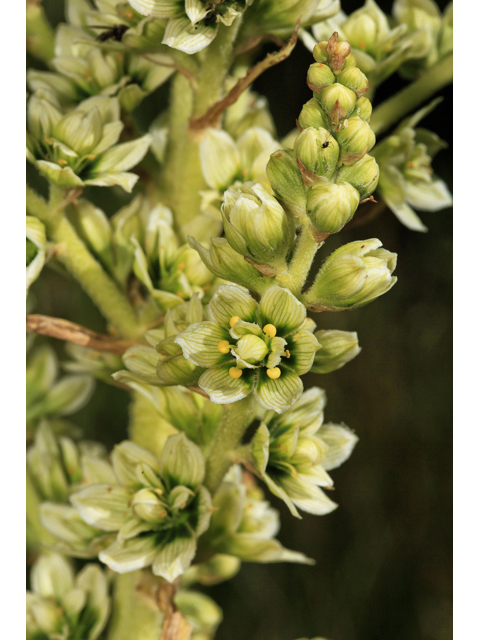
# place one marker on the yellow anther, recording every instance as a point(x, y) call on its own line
point(181, 295)
point(223, 346)
point(129, 15)
point(181, 266)
point(235, 372)
point(234, 320)
point(270, 330)
point(287, 353)
point(273, 373)
point(62, 162)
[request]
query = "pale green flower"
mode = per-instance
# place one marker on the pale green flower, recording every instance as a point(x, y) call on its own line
point(200, 611)
point(191, 24)
point(58, 466)
point(379, 48)
point(49, 397)
point(36, 249)
point(62, 606)
point(248, 347)
point(352, 276)
point(80, 148)
point(140, 240)
point(328, 172)
point(82, 69)
point(226, 163)
point(424, 19)
point(256, 225)
point(157, 508)
point(294, 451)
point(407, 181)
point(338, 348)
point(280, 16)
point(244, 525)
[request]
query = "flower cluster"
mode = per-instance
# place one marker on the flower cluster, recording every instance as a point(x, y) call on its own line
point(329, 170)
point(80, 148)
point(293, 452)
point(62, 605)
point(248, 347)
point(406, 176)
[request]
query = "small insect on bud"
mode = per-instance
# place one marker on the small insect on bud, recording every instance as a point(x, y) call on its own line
point(318, 151)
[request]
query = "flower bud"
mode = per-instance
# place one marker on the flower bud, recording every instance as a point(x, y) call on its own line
point(320, 52)
point(255, 223)
point(355, 80)
point(353, 276)
point(331, 206)
point(287, 184)
point(361, 30)
point(355, 138)
point(363, 175)
point(318, 151)
point(312, 115)
point(251, 349)
point(337, 101)
point(363, 108)
point(223, 261)
point(338, 348)
point(319, 76)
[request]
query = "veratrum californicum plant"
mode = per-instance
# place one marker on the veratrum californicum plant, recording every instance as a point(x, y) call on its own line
point(207, 279)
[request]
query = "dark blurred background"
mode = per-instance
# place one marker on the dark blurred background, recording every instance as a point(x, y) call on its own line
point(383, 558)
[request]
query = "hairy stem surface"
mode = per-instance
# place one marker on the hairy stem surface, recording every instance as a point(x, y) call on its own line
point(235, 420)
point(72, 252)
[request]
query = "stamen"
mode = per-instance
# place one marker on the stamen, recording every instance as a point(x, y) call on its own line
point(270, 330)
point(223, 346)
point(235, 372)
point(274, 373)
point(287, 353)
point(234, 320)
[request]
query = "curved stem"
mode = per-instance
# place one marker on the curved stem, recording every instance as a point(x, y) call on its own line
point(299, 267)
point(82, 265)
point(235, 420)
point(399, 105)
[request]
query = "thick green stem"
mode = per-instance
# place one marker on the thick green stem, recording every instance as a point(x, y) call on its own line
point(300, 265)
point(82, 265)
point(182, 177)
point(399, 105)
point(235, 420)
point(135, 615)
point(147, 428)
